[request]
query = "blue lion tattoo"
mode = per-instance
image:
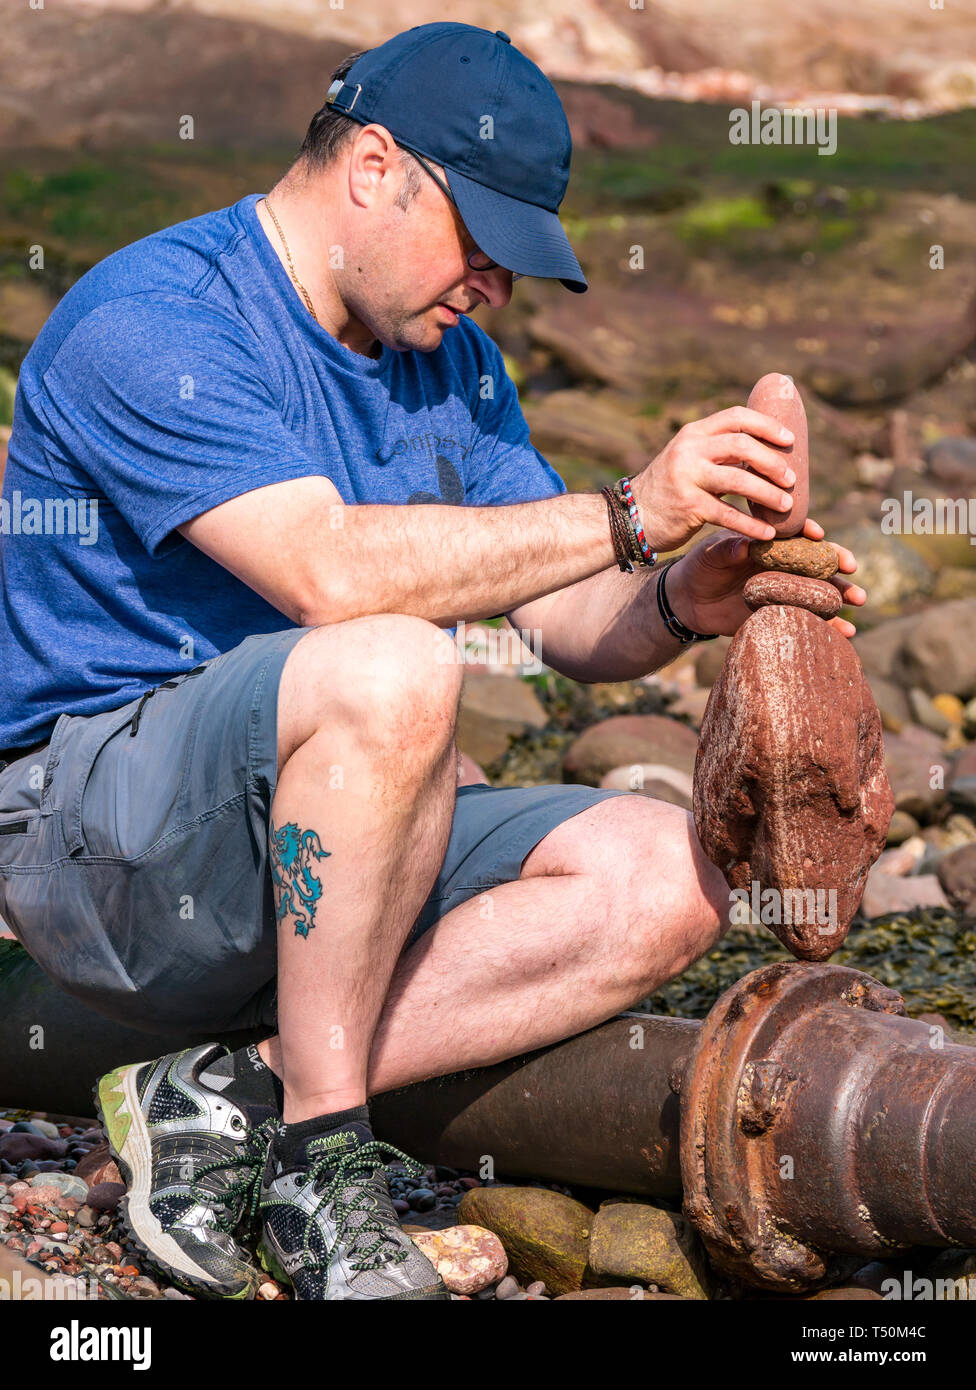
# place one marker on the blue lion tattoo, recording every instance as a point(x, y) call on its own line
point(292, 852)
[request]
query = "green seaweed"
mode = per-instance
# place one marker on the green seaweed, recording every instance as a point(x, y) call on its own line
point(928, 955)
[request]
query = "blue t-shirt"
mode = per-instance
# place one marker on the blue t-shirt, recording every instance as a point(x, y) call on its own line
point(180, 372)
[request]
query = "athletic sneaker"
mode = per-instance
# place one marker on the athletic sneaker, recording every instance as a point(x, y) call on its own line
point(192, 1161)
point(329, 1227)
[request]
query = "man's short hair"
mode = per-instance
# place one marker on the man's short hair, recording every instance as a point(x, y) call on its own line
point(330, 131)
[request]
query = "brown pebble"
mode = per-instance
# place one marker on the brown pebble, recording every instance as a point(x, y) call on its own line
point(796, 590)
point(105, 1196)
point(816, 559)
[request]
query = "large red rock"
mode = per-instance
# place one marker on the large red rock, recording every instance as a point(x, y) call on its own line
point(791, 793)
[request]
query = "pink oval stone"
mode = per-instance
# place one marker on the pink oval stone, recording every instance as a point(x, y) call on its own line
point(468, 1258)
point(776, 395)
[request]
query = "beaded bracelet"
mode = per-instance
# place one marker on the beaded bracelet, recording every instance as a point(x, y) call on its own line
point(629, 541)
point(625, 493)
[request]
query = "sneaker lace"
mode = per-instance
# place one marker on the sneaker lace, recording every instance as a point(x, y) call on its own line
point(241, 1193)
point(356, 1170)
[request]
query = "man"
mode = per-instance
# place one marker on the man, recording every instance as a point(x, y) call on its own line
point(231, 794)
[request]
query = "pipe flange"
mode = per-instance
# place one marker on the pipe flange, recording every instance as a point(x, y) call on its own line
point(733, 1093)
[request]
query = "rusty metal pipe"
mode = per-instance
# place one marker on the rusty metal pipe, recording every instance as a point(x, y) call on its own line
point(819, 1122)
point(601, 1106)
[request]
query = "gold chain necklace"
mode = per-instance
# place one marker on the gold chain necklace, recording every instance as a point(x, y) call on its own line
point(291, 267)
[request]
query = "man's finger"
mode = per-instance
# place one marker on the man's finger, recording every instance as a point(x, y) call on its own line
point(720, 481)
point(845, 558)
point(747, 452)
point(740, 417)
point(851, 593)
point(721, 513)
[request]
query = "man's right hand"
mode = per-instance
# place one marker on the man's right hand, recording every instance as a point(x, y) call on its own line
point(682, 488)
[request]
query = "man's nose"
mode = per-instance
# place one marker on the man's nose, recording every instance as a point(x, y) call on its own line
point(495, 285)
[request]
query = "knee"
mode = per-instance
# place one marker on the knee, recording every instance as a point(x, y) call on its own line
point(392, 678)
point(668, 903)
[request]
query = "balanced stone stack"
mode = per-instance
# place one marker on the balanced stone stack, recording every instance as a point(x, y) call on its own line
point(791, 797)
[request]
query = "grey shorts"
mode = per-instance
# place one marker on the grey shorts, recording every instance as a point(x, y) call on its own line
point(134, 867)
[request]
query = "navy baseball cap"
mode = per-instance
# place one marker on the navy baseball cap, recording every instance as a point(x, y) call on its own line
point(466, 99)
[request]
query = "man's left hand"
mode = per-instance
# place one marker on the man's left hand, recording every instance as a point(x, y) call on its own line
point(705, 586)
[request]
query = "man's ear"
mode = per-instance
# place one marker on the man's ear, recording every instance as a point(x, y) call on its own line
point(374, 158)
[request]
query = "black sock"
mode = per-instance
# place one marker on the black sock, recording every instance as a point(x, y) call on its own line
point(253, 1085)
point(295, 1144)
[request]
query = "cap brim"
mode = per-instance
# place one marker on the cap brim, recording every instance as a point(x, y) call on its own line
point(520, 236)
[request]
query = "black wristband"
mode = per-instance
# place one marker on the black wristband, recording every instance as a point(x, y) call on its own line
point(674, 624)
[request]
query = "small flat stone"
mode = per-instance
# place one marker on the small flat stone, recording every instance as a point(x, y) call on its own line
point(68, 1184)
point(798, 590)
point(627, 740)
point(46, 1128)
point(816, 559)
point(16, 1146)
point(43, 1192)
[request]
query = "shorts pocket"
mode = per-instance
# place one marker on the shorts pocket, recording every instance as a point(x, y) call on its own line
point(29, 840)
point(76, 760)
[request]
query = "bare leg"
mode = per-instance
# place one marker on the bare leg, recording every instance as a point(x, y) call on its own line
point(360, 823)
point(610, 904)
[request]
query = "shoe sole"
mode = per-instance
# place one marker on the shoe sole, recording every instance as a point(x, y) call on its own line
point(120, 1114)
